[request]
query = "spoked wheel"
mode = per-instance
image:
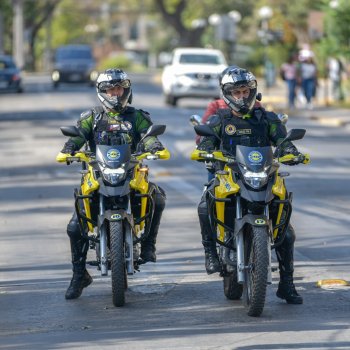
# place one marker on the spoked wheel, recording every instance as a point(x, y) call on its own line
point(232, 289)
point(118, 269)
point(256, 261)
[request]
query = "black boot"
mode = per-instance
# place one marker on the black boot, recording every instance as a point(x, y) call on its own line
point(212, 263)
point(286, 289)
point(148, 246)
point(80, 280)
point(79, 249)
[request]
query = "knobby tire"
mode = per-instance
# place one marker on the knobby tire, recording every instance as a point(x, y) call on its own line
point(256, 256)
point(118, 268)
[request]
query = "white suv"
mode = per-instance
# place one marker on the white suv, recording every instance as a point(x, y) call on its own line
point(193, 72)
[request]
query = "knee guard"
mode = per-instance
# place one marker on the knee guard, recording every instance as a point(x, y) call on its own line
point(207, 234)
point(285, 254)
point(73, 229)
point(159, 200)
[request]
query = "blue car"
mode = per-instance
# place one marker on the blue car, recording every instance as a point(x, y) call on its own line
point(10, 75)
point(74, 64)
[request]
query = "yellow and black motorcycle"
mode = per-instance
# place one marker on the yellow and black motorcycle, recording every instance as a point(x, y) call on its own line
point(115, 204)
point(249, 209)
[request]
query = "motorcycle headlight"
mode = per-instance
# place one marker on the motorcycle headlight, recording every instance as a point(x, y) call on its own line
point(256, 180)
point(113, 176)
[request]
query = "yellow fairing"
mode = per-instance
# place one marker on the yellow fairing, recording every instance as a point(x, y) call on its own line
point(89, 185)
point(225, 188)
point(140, 184)
point(279, 190)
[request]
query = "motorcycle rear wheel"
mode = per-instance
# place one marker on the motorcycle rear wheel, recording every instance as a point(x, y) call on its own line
point(118, 268)
point(256, 261)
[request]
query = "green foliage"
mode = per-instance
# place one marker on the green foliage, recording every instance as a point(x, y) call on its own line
point(69, 23)
point(120, 61)
point(7, 15)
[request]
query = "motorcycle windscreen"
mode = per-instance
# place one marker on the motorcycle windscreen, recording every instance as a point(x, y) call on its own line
point(255, 159)
point(114, 156)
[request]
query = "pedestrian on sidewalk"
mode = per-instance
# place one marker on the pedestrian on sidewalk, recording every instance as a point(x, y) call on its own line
point(335, 71)
point(308, 73)
point(289, 73)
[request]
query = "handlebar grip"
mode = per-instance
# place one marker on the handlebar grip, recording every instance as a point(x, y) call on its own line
point(306, 159)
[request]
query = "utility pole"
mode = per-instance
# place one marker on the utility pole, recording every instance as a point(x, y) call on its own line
point(18, 42)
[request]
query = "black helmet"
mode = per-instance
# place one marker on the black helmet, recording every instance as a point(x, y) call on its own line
point(235, 77)
point(109, 79)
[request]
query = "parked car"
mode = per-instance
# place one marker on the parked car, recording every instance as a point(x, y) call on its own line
point(193, 72)
point(10, 75)
point(74, 64)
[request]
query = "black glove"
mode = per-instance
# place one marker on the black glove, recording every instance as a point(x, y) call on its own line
point(156, 146)
point(69, 148)
point(293, 150)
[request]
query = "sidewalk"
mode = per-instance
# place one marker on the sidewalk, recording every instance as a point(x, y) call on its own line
point(275, 98)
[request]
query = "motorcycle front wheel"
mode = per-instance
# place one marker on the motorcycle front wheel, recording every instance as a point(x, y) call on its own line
point(256, 261)
point(118, 268)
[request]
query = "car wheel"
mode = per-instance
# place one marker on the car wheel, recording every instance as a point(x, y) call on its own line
point(19, 89)
point(171, 100)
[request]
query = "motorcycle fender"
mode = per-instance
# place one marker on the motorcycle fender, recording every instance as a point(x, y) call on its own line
point(250, 219)
point(116, 215)
point(114, 191)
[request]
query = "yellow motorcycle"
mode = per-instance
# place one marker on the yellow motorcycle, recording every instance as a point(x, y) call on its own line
point(249, 209)
point(115, 204)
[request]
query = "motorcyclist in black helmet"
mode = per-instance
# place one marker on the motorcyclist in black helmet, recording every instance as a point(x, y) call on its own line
point(244, 123)
point(101, 125)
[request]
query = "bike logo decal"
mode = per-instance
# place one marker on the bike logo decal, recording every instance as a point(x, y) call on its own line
point(230, 129)
point(116, 217)
point(113, 154)
point(255, 157)
point(260, 222)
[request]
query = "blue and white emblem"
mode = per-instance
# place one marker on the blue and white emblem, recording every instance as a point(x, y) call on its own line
point(113, 154)
point(255, 157)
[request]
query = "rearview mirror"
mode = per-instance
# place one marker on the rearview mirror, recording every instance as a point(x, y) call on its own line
point(195, 120)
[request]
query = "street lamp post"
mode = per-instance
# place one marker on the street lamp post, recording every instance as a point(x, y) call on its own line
point(225, 31)
point(265, 13)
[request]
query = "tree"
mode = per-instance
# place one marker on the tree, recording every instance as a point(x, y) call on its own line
point(37, 13)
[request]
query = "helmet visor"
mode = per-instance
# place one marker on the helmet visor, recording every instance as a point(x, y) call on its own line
point(110, 84)
point(229, 88)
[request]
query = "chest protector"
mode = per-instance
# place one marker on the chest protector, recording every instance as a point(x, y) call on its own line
point(252, 132)
point(116, 130)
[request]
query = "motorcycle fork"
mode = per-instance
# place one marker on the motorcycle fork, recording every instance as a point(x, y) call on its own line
point(239, 244)
point(103, 238)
